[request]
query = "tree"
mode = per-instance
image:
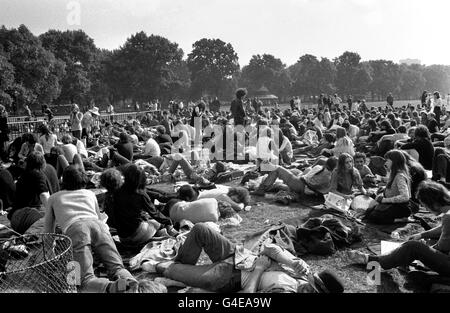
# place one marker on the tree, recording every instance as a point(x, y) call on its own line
point(144, 67)
point(385, 77)
point(437, 78)
point(212, 63)
point(347, 66)
point(78, 51)
point(37, 72)
point(326, 76)
point(412, 82)
point(266, 70)
point(304, 74)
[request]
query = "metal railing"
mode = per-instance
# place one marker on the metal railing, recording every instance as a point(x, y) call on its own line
point(18, 127)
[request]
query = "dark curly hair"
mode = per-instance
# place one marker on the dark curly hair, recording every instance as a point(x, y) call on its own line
point(240, 93)
point(241, 193)
point(111, 179)
point(135, 178)
point(73, 178)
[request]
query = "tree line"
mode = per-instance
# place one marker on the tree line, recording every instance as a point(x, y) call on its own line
point(61, 67)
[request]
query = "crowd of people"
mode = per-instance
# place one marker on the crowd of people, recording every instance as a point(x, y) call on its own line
point(399, 157)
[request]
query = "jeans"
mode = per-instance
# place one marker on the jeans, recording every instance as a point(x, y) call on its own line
point(412, 251)
point(143, 234)
point(219, 276)
point(77, 134)
point(92, 235)
point(62, 163)
point(295, 183)
point(185, 166)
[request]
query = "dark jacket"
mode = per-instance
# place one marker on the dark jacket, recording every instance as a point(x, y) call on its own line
point(238, 112)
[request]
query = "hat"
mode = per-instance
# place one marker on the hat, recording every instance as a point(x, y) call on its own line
point(94, 111)
point(328, 282)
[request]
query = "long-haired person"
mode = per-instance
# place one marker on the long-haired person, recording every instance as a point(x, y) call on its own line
point(345, 178)
point(343, 144)
point(436, 198)
point(421, 148)
point(394, 201)
point(136, 218)
point(47, 140)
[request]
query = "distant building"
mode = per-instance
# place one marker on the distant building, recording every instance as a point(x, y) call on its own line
point(410, 61)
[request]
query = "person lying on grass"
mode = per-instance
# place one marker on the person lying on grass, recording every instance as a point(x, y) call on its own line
point(313, 181)
point(237, 197)
point(436, 198)
point(76, 210)
point(275, 270)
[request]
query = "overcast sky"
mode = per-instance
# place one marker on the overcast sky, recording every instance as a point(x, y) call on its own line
point(376, 29)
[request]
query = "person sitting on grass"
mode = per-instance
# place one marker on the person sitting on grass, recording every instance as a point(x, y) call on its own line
point(360, 164)
point(136, 218)
point(435, 198)
point(76, 211)
point(275, 270)
point(312, 181)
point(394, 202)
point(343, 144)
point(345, 178)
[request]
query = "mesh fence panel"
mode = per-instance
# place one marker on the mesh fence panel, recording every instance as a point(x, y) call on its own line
point(35, 264)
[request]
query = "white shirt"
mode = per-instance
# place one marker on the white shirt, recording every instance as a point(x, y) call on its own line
point(151, 148)
point(81, 149)
point(48, 144)
point(71, 206)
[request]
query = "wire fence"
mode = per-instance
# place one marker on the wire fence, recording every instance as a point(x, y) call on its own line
point(18, 126)
point(37, 263)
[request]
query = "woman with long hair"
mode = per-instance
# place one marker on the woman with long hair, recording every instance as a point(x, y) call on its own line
point(421, 147)
point(29, 145)
point(393, 203)
point(48, 140)
point(436, 198)
point(136, 218)
point(346, 177)
point(343, 144)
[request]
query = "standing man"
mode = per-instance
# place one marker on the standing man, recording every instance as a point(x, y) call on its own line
point(350, 102)
point(390, 100)
point(27, 112)
point(336, 101)
point(75, 121)
point(237, 107)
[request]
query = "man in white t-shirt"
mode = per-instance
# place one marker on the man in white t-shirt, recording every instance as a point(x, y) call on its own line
point(151, 148)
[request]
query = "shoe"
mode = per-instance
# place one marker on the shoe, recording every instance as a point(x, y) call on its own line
point(258, 193)
point(123, 285)
point(172, 231)
point(358, 257)
point(162, 233)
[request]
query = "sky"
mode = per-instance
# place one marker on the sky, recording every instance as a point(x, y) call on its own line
point(287, 29)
